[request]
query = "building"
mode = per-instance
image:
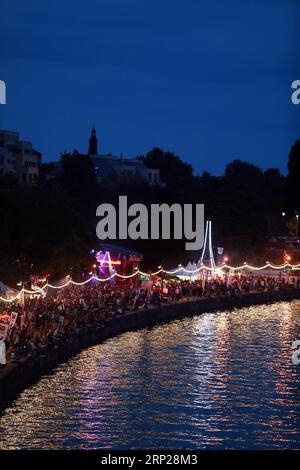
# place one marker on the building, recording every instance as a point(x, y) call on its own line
point(112, 258)
point(18, 158)
point(105, 164)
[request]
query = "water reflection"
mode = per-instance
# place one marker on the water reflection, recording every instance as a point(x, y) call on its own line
point(221, 380)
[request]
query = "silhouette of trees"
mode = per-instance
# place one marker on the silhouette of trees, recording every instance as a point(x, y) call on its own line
point(51, 228)
point(39, 229)
point(294, 177)
point(173, 171)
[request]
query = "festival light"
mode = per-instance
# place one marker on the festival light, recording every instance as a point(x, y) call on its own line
point(13, 298)
point(111, 262)
point(105, 260)
point(70, 281)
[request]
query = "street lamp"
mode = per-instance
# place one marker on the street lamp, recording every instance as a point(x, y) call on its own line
point(297, 224)
point(283, 213)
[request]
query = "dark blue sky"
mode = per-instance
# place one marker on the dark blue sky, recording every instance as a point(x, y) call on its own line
point(207, 80)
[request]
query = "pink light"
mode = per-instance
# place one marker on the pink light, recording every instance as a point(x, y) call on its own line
point(105, 260)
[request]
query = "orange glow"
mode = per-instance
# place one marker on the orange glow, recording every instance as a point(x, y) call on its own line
point(113, 262)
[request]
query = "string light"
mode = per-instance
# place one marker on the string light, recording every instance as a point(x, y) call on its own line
point(13, 298)
point(245, 265)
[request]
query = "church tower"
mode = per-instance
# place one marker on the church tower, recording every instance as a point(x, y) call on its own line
point(93, 143)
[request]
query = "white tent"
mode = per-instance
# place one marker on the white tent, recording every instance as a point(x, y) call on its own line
point(6, 291)
point(207, 254)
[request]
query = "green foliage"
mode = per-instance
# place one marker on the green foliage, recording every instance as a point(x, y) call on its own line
point(41, 232)
point(51, 228)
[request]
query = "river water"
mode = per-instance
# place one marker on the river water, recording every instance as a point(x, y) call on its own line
point(221, 380)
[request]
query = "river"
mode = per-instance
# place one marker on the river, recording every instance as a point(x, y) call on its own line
point(221, 380)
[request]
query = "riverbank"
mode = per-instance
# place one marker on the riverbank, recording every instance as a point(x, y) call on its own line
point(18, 375)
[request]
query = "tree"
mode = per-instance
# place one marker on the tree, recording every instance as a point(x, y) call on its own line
point(245, 172)
point(294, 176)
point(41, 231)
point(79, 177)
point(173, 171)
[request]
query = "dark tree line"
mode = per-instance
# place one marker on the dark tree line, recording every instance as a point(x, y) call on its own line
point(51, 228)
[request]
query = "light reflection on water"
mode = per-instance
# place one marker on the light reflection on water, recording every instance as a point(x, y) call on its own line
point(220, 380)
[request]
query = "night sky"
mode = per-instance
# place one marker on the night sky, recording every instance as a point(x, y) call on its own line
point(210, 81)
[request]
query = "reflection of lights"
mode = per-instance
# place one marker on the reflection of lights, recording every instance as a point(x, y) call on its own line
point(213, 371)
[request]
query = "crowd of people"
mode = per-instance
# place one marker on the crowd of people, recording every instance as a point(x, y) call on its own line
point(45, 319)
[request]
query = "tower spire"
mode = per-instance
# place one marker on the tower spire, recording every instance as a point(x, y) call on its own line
point(93, 143)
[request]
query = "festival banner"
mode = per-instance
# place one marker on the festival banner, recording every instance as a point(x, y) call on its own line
point(2, 353)
point(12, 322)
point(3, 331)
